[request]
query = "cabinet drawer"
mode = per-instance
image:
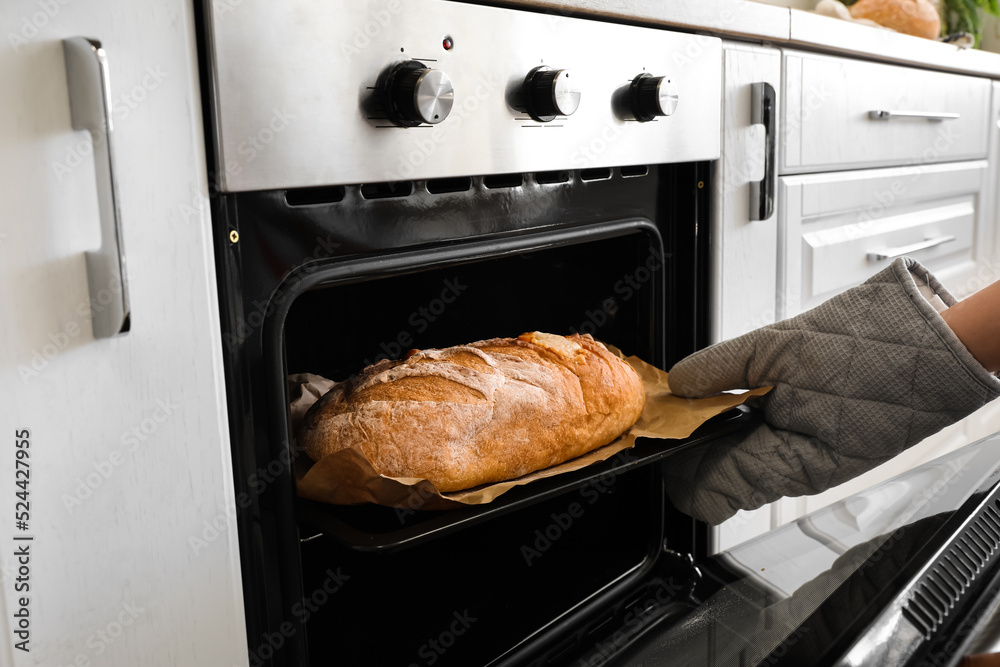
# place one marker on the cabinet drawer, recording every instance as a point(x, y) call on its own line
point(840, 257)
point(837, 230)
point(829, 104)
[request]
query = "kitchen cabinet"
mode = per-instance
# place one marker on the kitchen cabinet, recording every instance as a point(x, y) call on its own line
point(857, 186)
point(935, 201)
point(134, 559)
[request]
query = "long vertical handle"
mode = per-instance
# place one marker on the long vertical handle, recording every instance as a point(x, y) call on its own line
point(90, 109)
point(762, 105)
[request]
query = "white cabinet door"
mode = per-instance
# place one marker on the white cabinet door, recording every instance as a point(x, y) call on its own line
point(744, 251)
point(134, 558)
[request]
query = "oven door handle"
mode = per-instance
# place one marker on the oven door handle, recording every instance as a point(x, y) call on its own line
point(90, 110)
point(763, 112)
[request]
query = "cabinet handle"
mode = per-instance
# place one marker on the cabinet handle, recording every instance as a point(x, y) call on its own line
point(90, 110)
point(877, 114)
point(762, 112)
point(892, 253)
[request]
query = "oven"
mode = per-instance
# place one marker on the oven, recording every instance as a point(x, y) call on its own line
point(396, 175)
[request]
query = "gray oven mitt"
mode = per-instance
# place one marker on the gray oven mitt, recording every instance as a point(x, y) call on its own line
point(857, 380)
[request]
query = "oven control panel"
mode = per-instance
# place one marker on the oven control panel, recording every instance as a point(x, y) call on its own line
point(344, 92)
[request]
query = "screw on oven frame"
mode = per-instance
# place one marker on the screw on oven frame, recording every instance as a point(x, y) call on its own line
point(234, 236)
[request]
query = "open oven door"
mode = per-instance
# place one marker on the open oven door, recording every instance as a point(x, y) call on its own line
point(903, 573)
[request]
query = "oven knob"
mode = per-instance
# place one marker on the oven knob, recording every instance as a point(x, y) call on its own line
point(413, 94)
point(652, 96)
point(548, 93)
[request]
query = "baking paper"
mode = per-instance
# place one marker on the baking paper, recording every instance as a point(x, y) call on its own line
point(347, 478)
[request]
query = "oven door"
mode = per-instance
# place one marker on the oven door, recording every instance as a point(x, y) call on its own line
point(902, 573)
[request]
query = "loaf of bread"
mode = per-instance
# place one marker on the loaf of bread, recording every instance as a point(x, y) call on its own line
point(913, 17)
point(479, 413)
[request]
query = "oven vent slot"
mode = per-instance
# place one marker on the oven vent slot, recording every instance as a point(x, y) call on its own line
point(550, 177)
point(313, 196)
point(600, 174)
point(498, 181)
point(387, 190)
point(634, 171)
point(440, 186)
point(944, 585)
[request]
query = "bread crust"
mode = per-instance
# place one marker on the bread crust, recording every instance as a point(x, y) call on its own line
point(912, 17)
point(479, 413)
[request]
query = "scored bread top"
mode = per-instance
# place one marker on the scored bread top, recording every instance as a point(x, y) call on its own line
point(479, 413)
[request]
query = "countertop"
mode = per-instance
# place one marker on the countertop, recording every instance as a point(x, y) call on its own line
point(754, 21)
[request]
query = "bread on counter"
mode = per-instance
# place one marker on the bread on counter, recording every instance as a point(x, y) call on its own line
point(479, 413)
point(912, 17)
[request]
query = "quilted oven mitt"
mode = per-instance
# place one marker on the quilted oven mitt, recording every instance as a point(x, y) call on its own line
point(857, 380)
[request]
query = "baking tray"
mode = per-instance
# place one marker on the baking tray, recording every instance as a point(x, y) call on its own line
point(373, 528)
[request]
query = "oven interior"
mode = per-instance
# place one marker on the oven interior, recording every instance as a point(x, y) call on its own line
point(604, 289)
point(471, 593)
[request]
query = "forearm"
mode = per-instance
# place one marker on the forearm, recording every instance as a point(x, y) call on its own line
point(976, 322)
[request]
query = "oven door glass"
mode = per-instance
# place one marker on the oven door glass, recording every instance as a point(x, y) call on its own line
point(837, 584)
point(422, 587)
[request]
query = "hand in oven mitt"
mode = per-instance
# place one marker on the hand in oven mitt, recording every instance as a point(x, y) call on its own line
point(857, 380)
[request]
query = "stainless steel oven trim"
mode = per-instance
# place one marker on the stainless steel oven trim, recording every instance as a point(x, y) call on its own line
point(293, 102)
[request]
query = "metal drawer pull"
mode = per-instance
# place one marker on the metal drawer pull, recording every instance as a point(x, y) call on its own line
point(892, 253)
point(926, 115)
point(90, 109)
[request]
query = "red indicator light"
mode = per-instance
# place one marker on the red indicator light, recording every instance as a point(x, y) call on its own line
point(448, 43)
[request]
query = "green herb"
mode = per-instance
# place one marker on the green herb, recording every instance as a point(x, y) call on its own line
point(963, 16)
